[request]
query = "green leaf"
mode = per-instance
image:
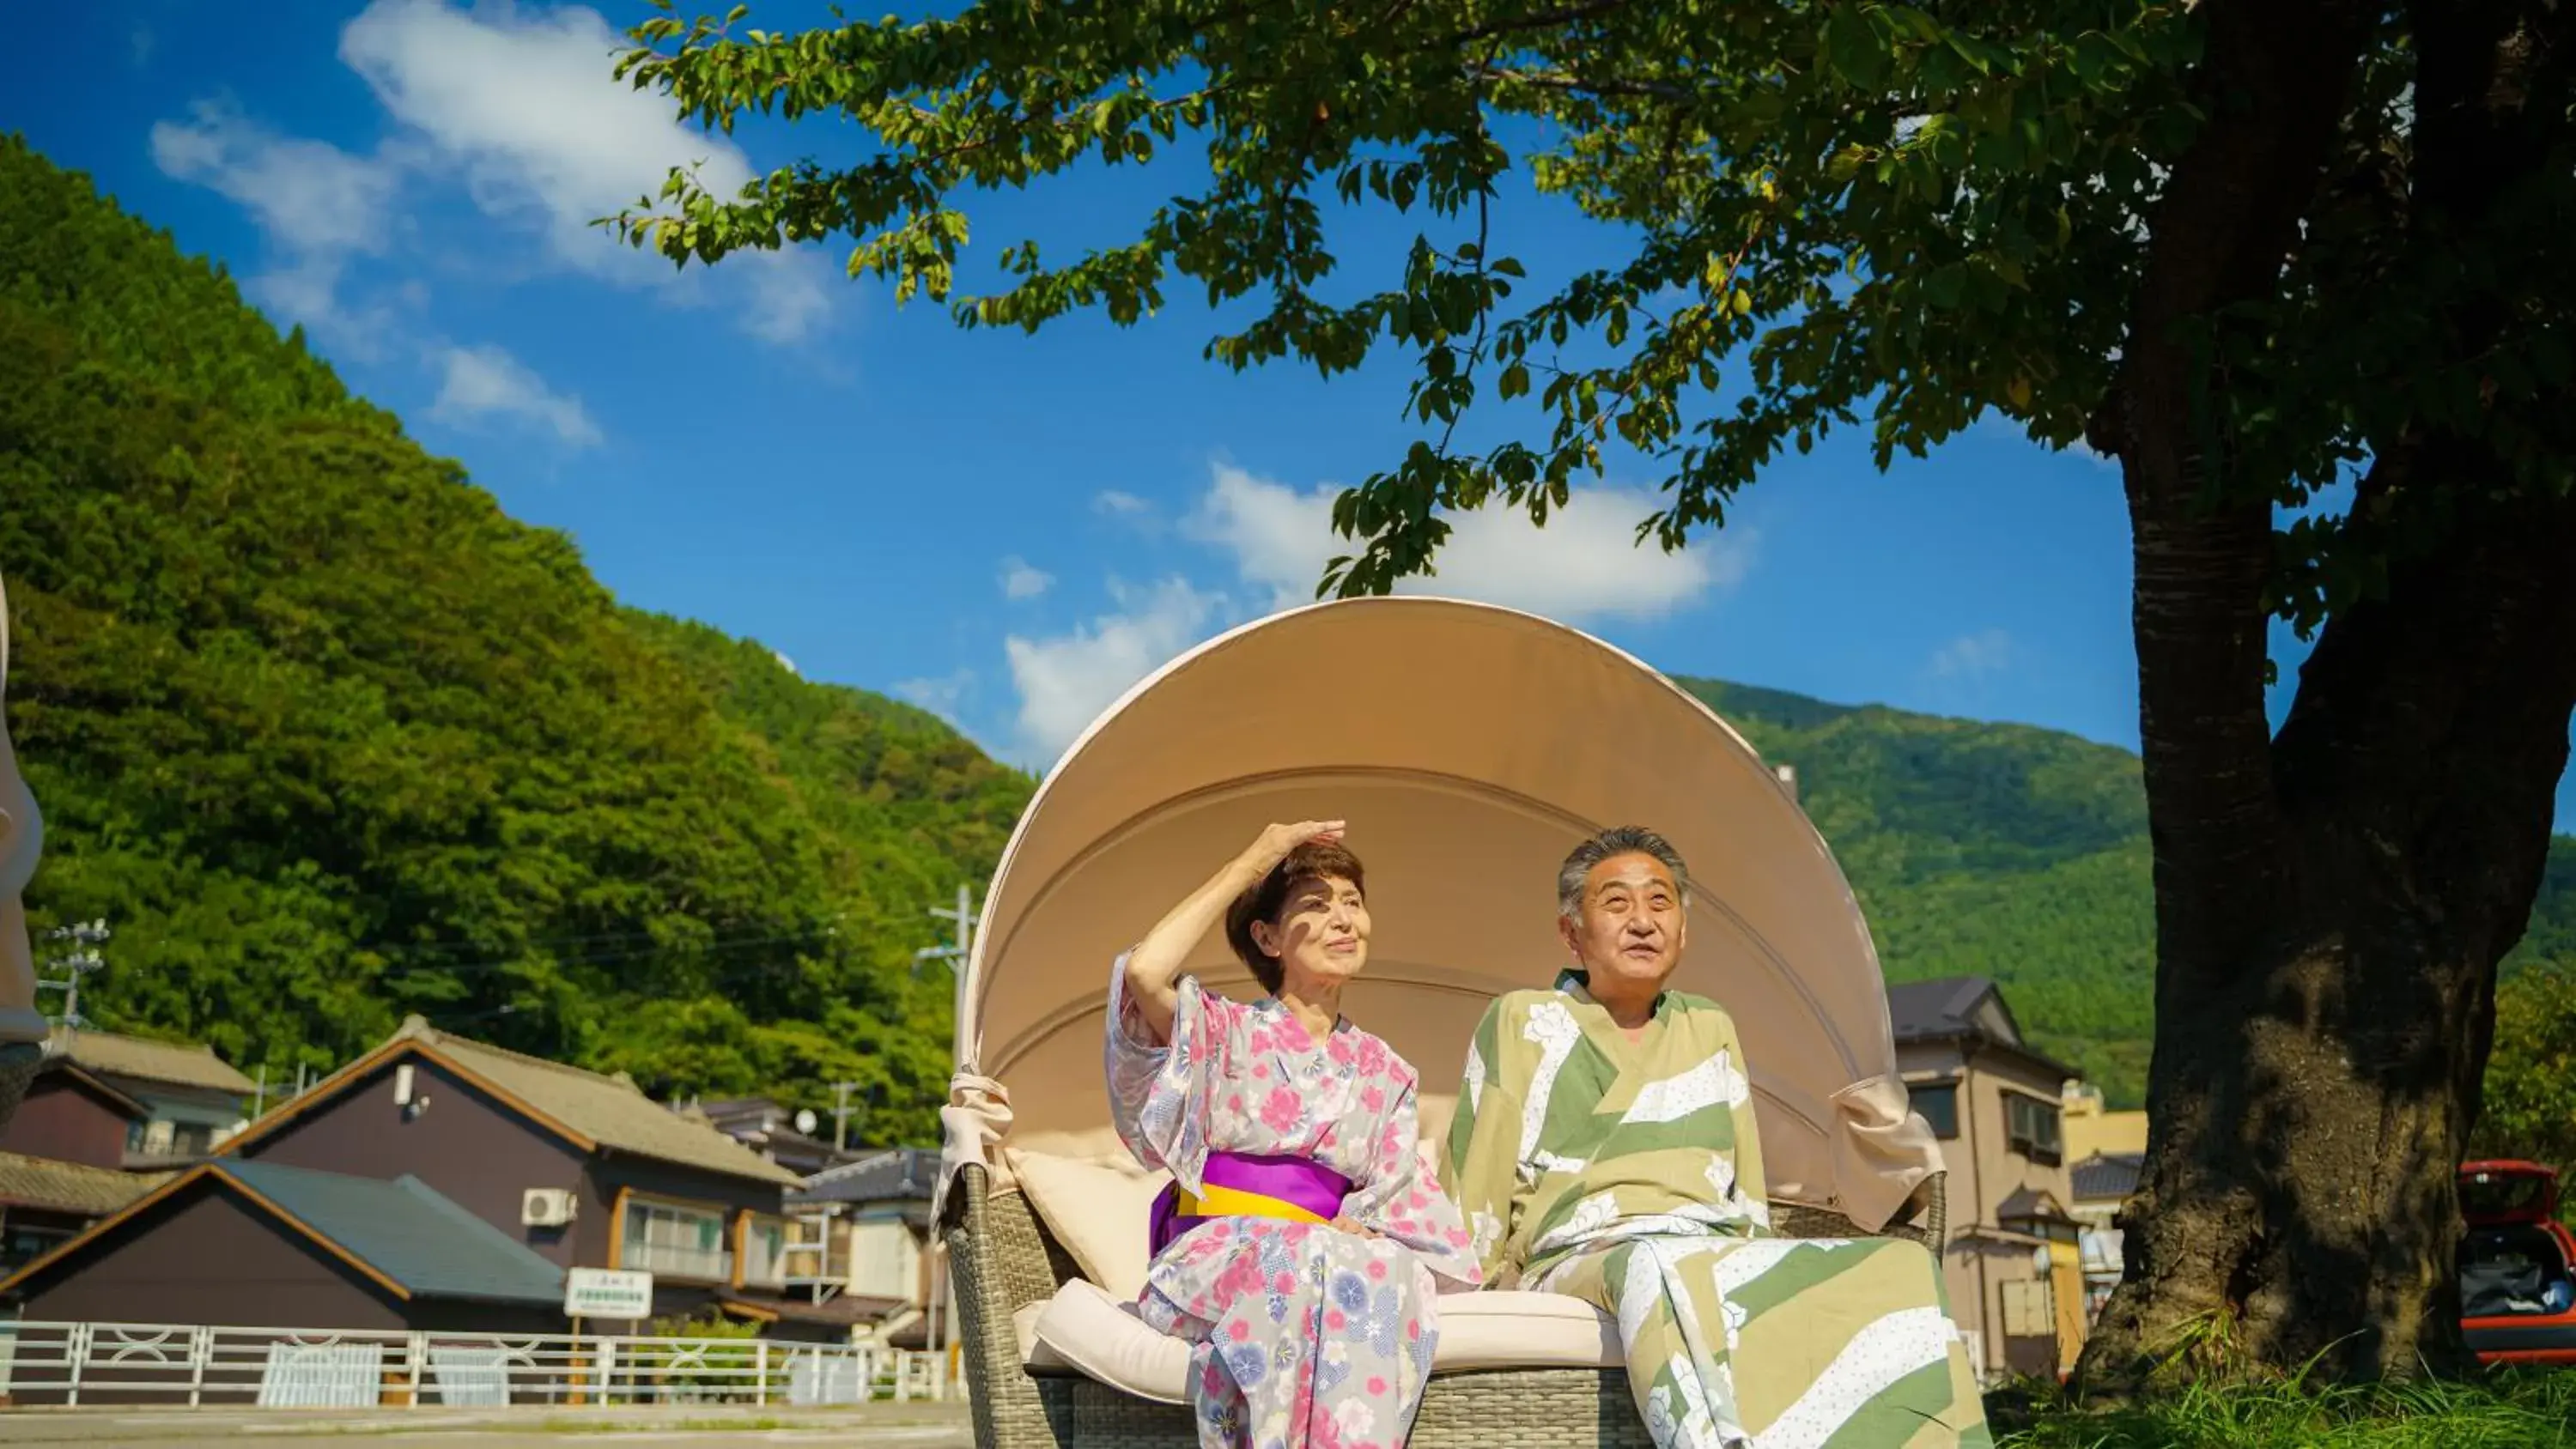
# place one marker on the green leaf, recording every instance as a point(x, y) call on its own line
point(1858, 53)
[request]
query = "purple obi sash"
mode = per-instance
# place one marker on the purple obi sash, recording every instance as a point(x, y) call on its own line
point(1239, 1184)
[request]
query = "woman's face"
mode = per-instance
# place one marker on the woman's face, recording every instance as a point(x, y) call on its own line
point(1321, 935)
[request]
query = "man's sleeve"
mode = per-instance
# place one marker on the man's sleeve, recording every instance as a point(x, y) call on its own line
point(1480, 1160)
point(1748, 1136)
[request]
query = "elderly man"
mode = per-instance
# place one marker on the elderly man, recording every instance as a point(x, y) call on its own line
point(1604, 1147)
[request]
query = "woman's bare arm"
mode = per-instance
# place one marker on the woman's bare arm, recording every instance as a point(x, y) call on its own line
point(1154, 966)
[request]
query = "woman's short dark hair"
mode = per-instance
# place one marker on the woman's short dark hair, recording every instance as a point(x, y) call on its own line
point(1314, 860)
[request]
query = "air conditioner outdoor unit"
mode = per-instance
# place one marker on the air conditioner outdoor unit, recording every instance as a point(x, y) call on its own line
point(546, 1207)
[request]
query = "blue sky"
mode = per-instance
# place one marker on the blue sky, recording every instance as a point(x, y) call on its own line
point(1005, 528)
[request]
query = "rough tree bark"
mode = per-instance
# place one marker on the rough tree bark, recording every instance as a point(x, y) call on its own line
point(2331, 902)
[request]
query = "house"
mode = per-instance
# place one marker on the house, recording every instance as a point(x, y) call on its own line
point(260, 1244)
point(577, 1168)
point(46, 1202)
point(771, 1130)
point(2102, 1182)
point(863, 1237)
point(2093, 1129)
point(2012, 1264)
point(62, 1160)
point(70, 1114)
point(191, 1098)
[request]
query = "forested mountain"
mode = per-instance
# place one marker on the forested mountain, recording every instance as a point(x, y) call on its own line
point(2016, 853)
point(328, 739)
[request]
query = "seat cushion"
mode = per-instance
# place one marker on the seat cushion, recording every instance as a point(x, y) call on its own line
point(1086, 1331)
point(1096, 1209)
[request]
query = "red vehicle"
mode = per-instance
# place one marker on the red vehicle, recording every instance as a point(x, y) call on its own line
point(2517, 1265)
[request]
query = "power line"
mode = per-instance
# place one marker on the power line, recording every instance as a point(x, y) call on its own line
point(719, 944)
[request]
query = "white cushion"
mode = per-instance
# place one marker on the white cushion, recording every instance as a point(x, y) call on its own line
point(1507, 1328)
point(1097, 1209)
point(1084, 1330)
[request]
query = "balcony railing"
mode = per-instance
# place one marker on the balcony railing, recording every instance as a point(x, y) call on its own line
point(713, 1265)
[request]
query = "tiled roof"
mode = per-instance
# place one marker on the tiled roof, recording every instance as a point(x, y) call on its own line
point(897, 1174)
point(841, 1310)
point(2106, 1176)
point(611, 1111)
point(177, 1063)
point(2027, 1203)
point(70, 1187)
point(407, 1232)
point(1918, 1010)
point(1955, 1007)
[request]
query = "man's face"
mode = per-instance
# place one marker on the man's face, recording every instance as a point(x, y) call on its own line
point(1629, 934)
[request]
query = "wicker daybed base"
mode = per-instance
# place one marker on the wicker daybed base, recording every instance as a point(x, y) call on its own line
point(1003, 1259)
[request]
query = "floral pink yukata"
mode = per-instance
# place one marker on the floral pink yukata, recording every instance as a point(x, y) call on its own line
point(1302, 1336)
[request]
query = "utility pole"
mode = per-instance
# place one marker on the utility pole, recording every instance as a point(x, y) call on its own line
point(962, 949)
point(85, 938)
point(841, 1115)
point(957, 955)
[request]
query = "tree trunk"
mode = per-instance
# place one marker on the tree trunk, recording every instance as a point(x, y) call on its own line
point(2316, 1077)
point(2331, 903)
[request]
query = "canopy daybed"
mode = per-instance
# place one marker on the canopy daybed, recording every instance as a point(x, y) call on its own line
point(1469, 747)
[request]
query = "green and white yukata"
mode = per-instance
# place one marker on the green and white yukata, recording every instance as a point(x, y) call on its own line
point(1629, 1174)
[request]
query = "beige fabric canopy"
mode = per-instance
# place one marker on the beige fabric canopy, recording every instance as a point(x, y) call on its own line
point(1469, 747)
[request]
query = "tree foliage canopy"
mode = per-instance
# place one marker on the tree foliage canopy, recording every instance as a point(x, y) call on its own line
point(1818, 216)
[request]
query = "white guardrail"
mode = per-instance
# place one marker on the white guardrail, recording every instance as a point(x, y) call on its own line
point(71, 1364)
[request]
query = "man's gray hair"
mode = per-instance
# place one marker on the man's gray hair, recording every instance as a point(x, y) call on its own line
point(1615, 841)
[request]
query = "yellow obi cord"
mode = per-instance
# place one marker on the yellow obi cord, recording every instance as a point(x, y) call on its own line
point(1218, 1202)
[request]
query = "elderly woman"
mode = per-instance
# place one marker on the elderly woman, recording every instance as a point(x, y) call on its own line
point(1301, 1243)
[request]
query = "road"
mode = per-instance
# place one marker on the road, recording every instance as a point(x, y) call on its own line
point(877, 1426)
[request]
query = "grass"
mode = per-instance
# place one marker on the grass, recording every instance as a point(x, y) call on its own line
point(2524, 1410)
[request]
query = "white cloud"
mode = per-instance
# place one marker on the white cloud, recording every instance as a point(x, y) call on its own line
point(1584, 564)
point(317, 204)
point(311, 196)
point(1020, 581)
point(524, 107)
point(1065, 682)
point(945, 696)
point(484, 382)
point(1971, 655)
point(783, 661)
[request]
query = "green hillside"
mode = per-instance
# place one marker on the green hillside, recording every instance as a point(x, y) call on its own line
point(329, 739)
point(2015, 853)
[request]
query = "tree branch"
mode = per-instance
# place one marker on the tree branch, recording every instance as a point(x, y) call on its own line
point(1540, 21)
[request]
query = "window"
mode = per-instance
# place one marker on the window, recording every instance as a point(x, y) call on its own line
point(1939, 1104)
point(2030, 1127)
point(2030, 1309)
point(681, 1242)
